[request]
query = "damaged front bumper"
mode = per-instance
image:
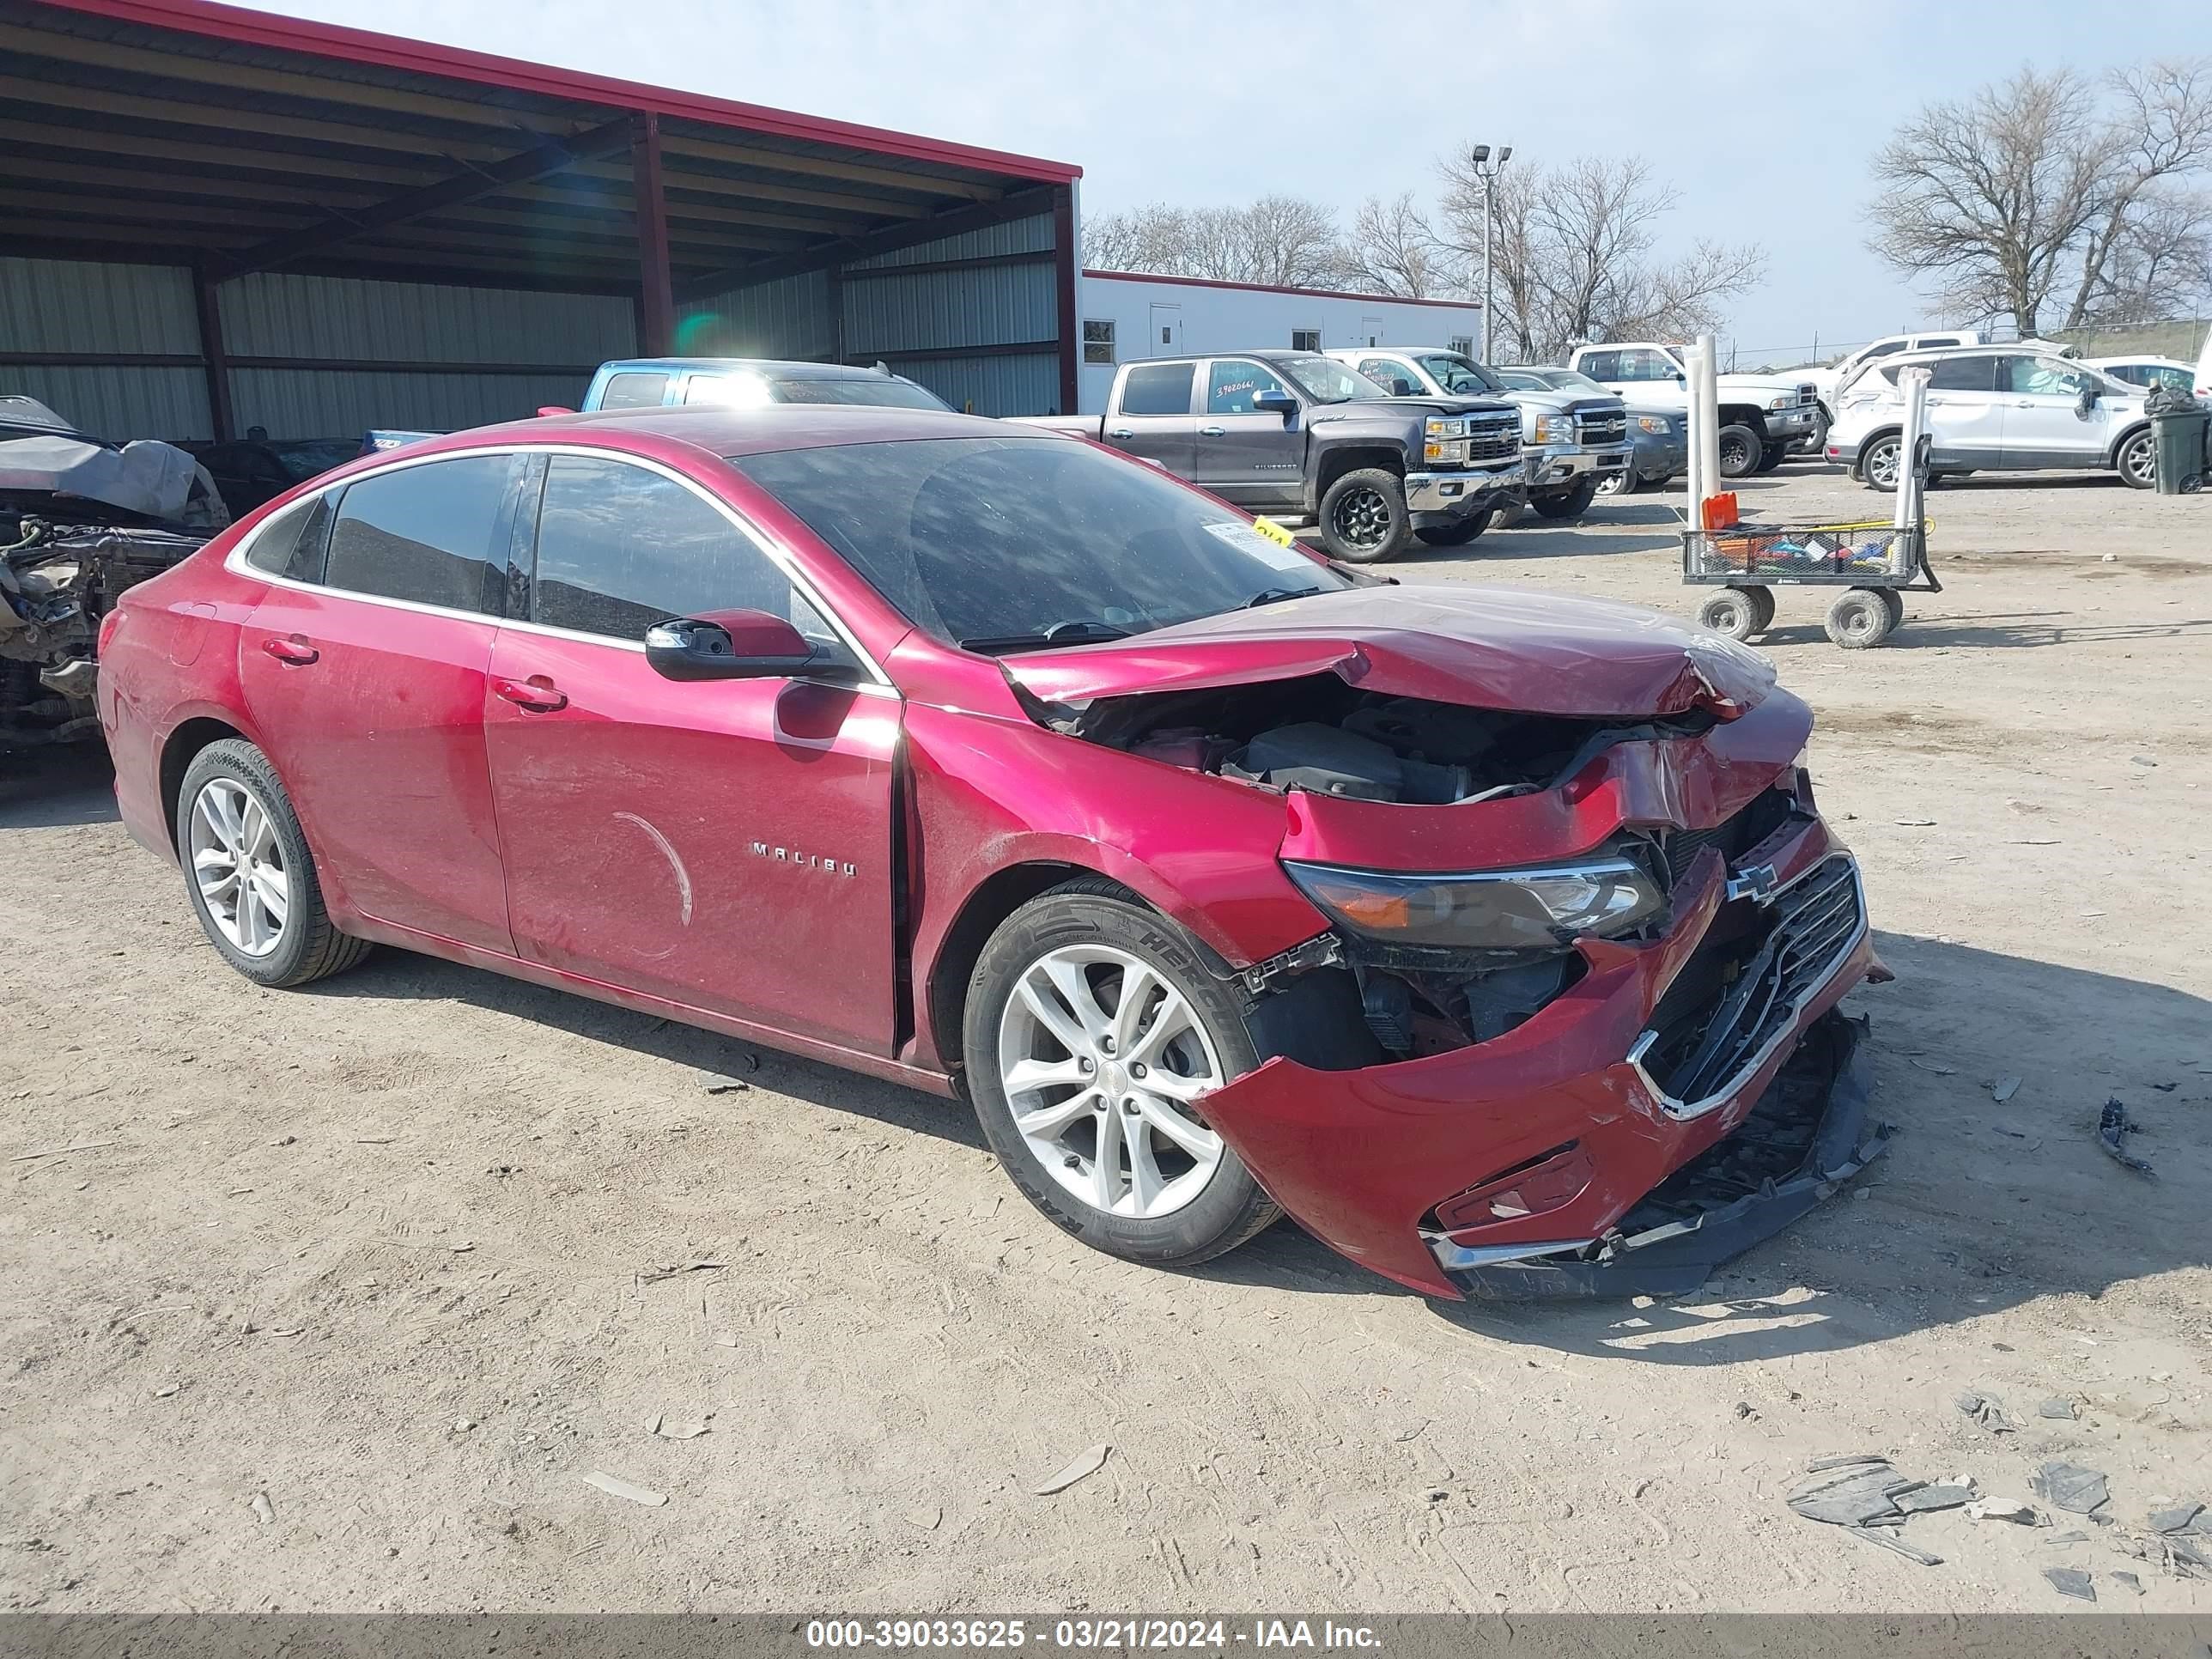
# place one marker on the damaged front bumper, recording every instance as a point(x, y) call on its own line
point(1599, 1101)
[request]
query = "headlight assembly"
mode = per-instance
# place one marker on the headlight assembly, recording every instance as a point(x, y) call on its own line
point(1655, 424)
point(1447, 425)
point(1555, 429)
point(1540, 910)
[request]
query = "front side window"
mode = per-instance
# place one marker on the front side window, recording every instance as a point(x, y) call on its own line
point(1644, 364)
point(1884, 348)
point(1006, 544)
point(1327, 381)
point(2041, 377)
point(1391, 376)
point(633, 389)
point(1234, 383)
point(1460, 375)
point(621, 547)
point(1933, 340)
point(424, 533)
point(1162, 389)
point(1098, 340)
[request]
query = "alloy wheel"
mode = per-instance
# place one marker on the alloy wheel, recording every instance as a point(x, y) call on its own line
point(238, 866)
point(1101, 1059)
point(1362, 518)
point(1881, 463)
point(2139, 460)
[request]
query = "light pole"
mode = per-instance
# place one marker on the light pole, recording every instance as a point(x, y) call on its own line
point(1487, 171)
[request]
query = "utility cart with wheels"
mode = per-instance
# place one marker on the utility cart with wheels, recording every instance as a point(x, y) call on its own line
point(1873, 563)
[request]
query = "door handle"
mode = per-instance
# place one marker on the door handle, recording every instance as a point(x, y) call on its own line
point(1119, 432)
point(2024, 403)
point(538, 694)
point(1213, 432)
point(293, 652)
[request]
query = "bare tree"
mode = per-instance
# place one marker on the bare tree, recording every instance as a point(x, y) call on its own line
point(1278, 240)
point(1393, 250)
point(1572, 248)
point(2039, 184)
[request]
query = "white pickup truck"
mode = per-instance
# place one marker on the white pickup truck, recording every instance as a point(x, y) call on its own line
point(1762, 417)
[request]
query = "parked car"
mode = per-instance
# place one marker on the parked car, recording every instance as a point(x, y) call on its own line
point(1830, 381)
point(1574, 444)
point(657, 382)
point(2002, 408)
point(1294, 433)
point(248, 471)
point(82, 519)
point(1493, 934)
point(1659, 440)
point(2147, 372)
point(1761, 416)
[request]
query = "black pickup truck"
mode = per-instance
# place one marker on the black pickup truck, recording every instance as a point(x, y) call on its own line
point(1292, 433)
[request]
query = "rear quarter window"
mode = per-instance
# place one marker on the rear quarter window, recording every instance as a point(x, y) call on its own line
point(293, 542)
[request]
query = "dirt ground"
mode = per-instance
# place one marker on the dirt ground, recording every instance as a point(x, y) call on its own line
point(361, 1281)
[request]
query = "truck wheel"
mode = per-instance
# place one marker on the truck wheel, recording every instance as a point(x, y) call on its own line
point(1739, 449)
point(1572, 505)
point(1460, 532)
point(1626, 482)
point(1093, 1032)
point(1771, 457)
point(1363, 518)
point(1818, 443)
point(1863, 617)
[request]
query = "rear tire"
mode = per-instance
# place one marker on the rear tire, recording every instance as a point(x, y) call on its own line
point(1363, 518)
point(1561, 509)
point(2137, 460)
point(249, 875)
point(1083, 941)
point(1462, 532)
point(1738, 448)
point(1862, 618)
point(1881, 462)
point(1733, 612)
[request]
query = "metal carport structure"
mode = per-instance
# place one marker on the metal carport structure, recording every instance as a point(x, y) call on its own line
point(220, 219)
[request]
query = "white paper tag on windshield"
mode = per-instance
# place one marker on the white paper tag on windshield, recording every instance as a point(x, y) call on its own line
point(1245, 539)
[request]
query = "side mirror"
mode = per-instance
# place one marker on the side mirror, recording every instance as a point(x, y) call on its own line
point(1275, 401)
point(1402, 388)
point(726, 645)
point(1682, 380)
point(2088, 400)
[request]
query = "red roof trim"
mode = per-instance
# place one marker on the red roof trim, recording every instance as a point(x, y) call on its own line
point(204, 17)
point(1268, 288)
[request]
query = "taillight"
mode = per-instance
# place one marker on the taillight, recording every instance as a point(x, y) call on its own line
point(108, 624)
point(1548, 1182)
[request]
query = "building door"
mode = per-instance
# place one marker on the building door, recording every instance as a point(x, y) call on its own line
point(1166, 340)
point(1370, 331)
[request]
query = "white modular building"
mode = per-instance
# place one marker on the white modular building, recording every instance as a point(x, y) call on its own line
point(1127, 316)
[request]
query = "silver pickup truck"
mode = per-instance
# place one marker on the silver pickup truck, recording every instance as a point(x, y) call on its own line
point(1576, 444)
point(1291, 434)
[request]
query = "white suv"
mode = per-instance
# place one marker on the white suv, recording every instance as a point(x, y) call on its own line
point(2000, 409)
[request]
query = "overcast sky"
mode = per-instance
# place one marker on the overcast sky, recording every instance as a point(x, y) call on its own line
point(1763, 117)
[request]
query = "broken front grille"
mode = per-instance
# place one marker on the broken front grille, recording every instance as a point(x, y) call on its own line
point(1751, 825)
point(1746, 988)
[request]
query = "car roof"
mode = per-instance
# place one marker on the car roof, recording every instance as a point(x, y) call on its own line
point(2162, 362)
point(783, 368)
point(725, 429)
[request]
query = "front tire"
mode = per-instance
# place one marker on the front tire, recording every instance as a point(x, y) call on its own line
point(1739, 449)
point(1460, 532)
point(1363, 518)
point(1626, 482)
point(1093, 1030)
point(249, 874)
point(1572, 505)
point(2137, 461)
point(1863, 617)
point(1735, 613)
point(1771, 457)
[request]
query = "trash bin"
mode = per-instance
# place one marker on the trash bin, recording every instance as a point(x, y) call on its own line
point(2181, 429)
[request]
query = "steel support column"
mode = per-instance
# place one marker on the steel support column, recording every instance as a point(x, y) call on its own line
point(1070, 319)
point(656, 289)
point(214, 359)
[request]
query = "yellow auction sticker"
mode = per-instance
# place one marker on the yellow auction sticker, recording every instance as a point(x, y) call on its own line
point(1274, 532)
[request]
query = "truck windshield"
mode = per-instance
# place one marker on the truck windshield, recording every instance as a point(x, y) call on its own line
point(1017, 544)
point(1460, 376)
point(1326, 381)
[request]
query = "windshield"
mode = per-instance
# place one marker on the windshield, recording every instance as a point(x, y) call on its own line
point(1326, 381)
point(1009, 544)
point(1573, 379)
point(1460, 376)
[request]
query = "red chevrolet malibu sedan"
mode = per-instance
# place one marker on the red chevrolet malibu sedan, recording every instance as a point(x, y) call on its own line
point(1492, 934)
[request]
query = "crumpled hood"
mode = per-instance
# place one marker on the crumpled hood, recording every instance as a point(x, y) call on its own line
point(1483, 648)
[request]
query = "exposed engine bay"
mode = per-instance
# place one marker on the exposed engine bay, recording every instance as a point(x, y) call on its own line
point(1361, 997)
point(81, 521)
point(1319, 734)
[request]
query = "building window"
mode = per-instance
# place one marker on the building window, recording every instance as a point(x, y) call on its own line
point(1462, 344)
point(1306, 339)
point(1098, 340)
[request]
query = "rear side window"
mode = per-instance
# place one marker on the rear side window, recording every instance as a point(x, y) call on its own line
point(1599, 365)
point(292, 543)
point(1162, 390)
point(1929, 343)
point(621, 547)
point(423, 533)
point(1962, 374)
point(634, 390)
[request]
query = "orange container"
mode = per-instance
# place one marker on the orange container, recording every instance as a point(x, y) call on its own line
point(1720, 511)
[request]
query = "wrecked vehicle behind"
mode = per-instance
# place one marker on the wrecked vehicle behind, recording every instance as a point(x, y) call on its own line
point(82, 519)
point(1495, 935)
